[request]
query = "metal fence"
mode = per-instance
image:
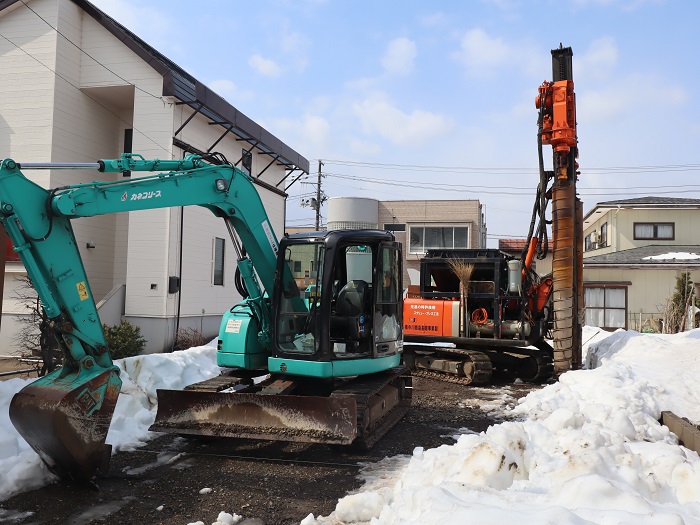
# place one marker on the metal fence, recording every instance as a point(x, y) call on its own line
point(644, 322)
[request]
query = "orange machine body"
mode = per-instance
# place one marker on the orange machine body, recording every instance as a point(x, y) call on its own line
point(435, 317)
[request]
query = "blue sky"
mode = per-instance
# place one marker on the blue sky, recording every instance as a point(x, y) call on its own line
point(444, 91)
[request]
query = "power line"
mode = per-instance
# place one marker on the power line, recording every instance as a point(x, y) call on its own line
point(492, 169)
point(693, 188)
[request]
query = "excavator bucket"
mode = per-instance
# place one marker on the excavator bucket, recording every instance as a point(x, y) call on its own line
point(311, 419)
point(65, 419)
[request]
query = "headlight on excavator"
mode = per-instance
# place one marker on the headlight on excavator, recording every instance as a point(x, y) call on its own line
point(221, 185)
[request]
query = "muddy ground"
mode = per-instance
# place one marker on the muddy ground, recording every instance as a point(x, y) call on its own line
point(267, 483)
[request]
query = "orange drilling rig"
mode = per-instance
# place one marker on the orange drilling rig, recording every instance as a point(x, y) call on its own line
point(481, 310)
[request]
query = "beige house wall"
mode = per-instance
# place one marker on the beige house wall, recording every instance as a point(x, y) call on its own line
point(621, 227)
point(649, 289)
point(431, 213)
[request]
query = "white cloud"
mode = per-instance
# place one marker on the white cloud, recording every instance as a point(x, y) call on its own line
point(478, 50)
point(364, 148)
point(230, 91)
point(378, 116)
point(434, 20)
point(483, 55)
point(296, 47)
point(153, 25)
point(399, 56)
point(310, 134)
point(264, 66)
point(615, 99)
point(623, 5)
point(599, 61)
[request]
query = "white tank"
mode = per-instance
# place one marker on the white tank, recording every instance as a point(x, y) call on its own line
point(352, 212)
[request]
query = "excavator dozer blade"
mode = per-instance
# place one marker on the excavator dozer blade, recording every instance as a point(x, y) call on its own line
point(66, 420)
point(310, 419)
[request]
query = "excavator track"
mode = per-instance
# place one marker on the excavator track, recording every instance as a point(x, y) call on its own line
point(475, 365)
point(381, 400)
point(358, 412)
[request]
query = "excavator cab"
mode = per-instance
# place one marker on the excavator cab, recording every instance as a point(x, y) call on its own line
point(353, 326)
point(331, 372)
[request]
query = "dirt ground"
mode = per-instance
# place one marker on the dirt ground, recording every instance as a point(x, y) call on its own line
point(268, 483)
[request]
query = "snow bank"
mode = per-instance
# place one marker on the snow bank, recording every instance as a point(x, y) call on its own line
point(587, 449)
point(135, 411)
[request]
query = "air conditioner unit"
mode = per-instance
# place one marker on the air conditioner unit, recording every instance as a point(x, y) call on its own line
point(594, 236)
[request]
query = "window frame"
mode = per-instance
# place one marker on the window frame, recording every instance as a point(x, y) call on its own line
point(216, 273)
point(424, 226)
point(603, 236)
point(655, 236)
point(606, 308)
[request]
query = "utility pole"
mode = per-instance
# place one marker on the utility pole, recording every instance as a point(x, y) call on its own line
point(318, 195)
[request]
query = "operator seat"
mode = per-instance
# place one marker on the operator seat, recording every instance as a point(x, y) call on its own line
point(351, 317)
point(353, 299)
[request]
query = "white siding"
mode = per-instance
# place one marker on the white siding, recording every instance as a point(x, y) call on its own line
point(79, 114)
point(27, 87)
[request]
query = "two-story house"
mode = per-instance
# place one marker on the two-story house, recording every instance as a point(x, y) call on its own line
point(633, 251)
point(78, 86)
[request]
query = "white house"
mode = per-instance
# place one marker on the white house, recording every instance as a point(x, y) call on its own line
point(77, 87)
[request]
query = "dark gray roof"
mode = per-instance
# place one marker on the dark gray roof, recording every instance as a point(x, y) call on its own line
point(648, 201)
point(639, 257)
point(183, 86)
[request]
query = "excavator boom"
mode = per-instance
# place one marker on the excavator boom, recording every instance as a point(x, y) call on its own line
point(65, 415)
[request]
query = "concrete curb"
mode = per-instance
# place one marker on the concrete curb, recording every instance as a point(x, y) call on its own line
point(688, 434)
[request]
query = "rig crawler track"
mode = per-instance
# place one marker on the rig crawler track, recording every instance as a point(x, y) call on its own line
point(475, 367)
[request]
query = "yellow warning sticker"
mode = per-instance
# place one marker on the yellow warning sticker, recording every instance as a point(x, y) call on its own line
point(82, 290)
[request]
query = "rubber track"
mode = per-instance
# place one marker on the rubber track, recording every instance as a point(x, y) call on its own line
point(361, 389)
point(481, 361)
point(545, 368)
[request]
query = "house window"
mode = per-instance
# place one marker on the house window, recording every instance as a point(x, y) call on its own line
point(247, 161)
point(588, 243)
point(652, 231)
point(128, 145)
point(219, 251)
point(603, 239)
point(424, 238)
point(297, 266)
point(606, 306)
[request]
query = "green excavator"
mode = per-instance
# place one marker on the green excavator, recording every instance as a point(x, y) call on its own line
point(324, 370)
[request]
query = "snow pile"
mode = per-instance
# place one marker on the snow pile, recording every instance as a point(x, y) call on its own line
point(135, 411)
point(588, 449)
point(141, 376)
point(672, 255)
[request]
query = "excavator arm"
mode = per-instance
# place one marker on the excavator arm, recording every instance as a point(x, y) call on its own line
point(65, 415)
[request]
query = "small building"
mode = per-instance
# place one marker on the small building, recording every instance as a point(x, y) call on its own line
point(418, 225)
point(77, 87)
point(633, 251)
